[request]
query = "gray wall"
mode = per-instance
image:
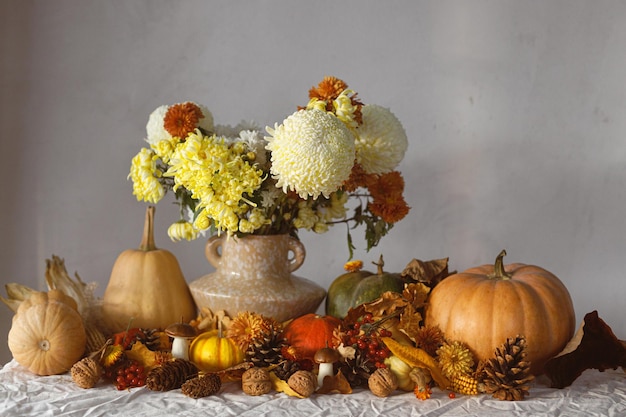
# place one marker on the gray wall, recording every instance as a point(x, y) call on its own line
point(515, 113)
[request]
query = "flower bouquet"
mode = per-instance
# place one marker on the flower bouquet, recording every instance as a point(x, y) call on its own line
point(300, 174)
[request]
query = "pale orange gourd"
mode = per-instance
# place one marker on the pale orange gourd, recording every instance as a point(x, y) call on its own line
point(485, 305)
point(47, 335)
point(147, 287)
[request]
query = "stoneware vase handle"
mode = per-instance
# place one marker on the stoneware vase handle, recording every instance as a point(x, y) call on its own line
point(299, 253)
point(212, 250)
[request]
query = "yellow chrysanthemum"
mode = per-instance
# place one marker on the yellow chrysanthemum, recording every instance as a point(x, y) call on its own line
point(165, 148)
point(182, 230)
point(144, 174)
point(381, 140)
point(345, 109)
point(312, 153)
point(218, 176)
point(306, 217)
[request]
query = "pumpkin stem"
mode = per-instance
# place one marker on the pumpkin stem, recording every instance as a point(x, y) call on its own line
point(380, 265)
point(498, 268)
point(147, 240)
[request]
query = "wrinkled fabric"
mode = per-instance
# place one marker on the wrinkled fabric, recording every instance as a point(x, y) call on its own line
point(24, 394)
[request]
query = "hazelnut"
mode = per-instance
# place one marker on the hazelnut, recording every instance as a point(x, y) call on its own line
point(303, 382)
point(256, 381)
point(382, 382)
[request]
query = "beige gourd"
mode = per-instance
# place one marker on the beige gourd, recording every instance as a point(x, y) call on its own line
point(47, 335)
point(147, 288)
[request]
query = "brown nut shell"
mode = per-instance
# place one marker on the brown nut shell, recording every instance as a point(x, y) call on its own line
point(256, 381)
point(382, 382)
point(303, 382)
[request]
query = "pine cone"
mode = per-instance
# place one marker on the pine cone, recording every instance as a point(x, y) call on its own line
point(202, 386)
point(287, 368)
point(171, 375)
point(151, 339)
point(358, 370)
point(507, 374)
point(266, 349)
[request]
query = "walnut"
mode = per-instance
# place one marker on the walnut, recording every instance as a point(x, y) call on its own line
point(382, 382)
point(256, 381)
point(86, 373)
point(303, 382)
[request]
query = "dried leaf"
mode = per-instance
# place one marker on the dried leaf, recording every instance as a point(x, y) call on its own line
point(146, 357)
point(594, 346)
point(410, 322)
point(337, 383)
point(280, 385)
point(428, 272)
point(416, 294)
point(387, 304)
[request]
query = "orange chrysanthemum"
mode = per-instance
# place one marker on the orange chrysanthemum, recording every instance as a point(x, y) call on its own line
point(385, 185)
point(391, 210)
point(353, 266)
point(358, 178)
point(181, 119)
point(328, 89)
point(247, 327)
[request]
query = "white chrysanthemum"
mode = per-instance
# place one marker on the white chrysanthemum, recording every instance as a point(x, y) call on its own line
point(312, 153)
point(206, 122)
point(155, 128)
point(381, 141)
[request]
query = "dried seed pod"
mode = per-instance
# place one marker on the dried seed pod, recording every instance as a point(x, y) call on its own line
point(303, 382)
point(382, 382)
point(256, 381)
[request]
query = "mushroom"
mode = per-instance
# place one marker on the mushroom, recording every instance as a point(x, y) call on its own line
point(325, 357)
point(182, 333)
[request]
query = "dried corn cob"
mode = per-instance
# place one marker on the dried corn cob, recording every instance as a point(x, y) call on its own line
point(465, 384)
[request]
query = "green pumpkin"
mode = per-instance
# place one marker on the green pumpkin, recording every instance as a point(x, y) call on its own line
point(355, 288)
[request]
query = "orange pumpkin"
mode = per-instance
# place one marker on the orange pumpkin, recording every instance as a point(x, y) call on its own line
point(212, 353)
point(485, 305)
point(309, 333)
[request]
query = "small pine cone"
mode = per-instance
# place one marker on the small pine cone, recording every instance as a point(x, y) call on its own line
point(171, 375)
point(86, 372)
point(202, 386)
point(266, 350)
point(151, 339)
point(287, 368)
point(506, 375)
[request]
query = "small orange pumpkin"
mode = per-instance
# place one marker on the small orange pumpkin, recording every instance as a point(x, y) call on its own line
point(211, 352)
point(309, 333)
point(485, 305)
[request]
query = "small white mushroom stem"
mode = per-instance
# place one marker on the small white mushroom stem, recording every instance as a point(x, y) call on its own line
point(180, 348)
point(324, 370)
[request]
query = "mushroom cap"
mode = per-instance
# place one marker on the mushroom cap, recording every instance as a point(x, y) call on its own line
point(326, 355)
point(181, 330)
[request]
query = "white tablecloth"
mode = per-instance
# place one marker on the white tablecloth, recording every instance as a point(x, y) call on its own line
point(24, 394)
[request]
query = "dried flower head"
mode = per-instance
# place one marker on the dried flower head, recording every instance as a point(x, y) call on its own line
point(247, 327)
point(353, 266)
point(429, 338)
point(455, 359)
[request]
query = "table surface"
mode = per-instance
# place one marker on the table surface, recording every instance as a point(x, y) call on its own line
point(25, 394)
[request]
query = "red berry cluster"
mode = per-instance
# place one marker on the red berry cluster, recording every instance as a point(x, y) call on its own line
point(129, 375)
point(364, 335)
